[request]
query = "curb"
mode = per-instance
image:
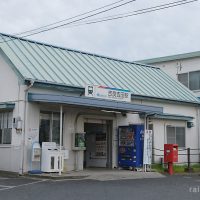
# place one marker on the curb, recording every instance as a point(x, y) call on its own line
point(8, 174)
point(55, 177)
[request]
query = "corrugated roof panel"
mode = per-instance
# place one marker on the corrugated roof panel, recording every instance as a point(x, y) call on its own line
point(68, 67)
point(143, 86)
point(103, 72)
point(43, 62)
point(113, 77)
point(30, 61)
point(120, 73)
point(14, 58)
point(166, 85)
point(79, 77)
point(32, 56)
point(181, 91)
point(51, 63)
point(60, 65)
point(95, 73)
point(81, 68)
point(155, 82)
point(55, 64)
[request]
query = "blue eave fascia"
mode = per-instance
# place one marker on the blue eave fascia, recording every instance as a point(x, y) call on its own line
point(7, 106)
point(197, 103)
point(169, 117)
point(94, 103)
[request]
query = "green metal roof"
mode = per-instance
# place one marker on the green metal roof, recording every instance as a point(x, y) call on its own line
point(170, 58)
point(57, 65)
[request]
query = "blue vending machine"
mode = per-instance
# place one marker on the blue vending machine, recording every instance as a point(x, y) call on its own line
point(130, 146)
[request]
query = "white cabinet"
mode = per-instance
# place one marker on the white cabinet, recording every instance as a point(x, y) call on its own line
point(51, 157)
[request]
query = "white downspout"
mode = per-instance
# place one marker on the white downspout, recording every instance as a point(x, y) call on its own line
point(61, 125)
point(23, 140)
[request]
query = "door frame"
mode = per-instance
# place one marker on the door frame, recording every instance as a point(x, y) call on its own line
point(109, 136)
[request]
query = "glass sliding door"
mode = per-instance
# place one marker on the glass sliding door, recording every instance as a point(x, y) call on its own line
point(45, 128)
point(49, 127)
point(56, 128)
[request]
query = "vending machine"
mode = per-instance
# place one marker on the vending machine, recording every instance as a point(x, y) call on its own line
point(130, 146)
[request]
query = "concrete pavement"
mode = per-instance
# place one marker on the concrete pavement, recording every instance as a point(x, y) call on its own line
point(182, 187)
point(102, 175)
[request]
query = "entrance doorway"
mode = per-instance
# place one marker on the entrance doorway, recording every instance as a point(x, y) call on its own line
point(98, 145)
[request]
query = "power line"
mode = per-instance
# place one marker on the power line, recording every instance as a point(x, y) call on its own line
point(119, 16)
point(77, 20)
point(132, 13)
point(67, 19)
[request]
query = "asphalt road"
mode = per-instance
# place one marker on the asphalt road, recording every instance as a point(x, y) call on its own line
point(169, 188)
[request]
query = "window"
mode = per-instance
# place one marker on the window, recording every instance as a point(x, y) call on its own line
point(190, 80)
point(194, 80)
point(176, 135)
point(183, 78)
point(49, 127)
point(5, 127)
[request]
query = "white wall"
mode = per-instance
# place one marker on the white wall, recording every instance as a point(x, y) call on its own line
point(11, 91)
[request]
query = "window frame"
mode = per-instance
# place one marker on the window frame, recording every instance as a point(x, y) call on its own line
point(188, 79)
point(187, 74)
point(175, 127)
point(4, 121)
point(51, 119)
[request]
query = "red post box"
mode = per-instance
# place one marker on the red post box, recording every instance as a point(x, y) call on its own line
point(170, 153)
point(170, 156)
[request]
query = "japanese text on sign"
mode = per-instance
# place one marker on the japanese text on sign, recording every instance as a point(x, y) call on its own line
point(107, 93)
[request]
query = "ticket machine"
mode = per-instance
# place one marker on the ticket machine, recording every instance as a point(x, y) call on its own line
point(130, 146)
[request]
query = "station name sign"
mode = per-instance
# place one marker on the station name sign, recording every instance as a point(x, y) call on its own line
point(103, 92)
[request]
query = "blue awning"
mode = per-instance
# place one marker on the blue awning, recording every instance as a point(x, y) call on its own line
point(7, 106)
point(169, 116)
point(94, 103)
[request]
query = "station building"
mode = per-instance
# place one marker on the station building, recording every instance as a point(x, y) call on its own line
point(40, 84)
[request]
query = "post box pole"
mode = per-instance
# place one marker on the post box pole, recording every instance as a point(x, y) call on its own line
point(170, 168)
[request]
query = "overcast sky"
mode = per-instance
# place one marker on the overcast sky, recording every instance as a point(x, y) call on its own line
point(161, 33)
